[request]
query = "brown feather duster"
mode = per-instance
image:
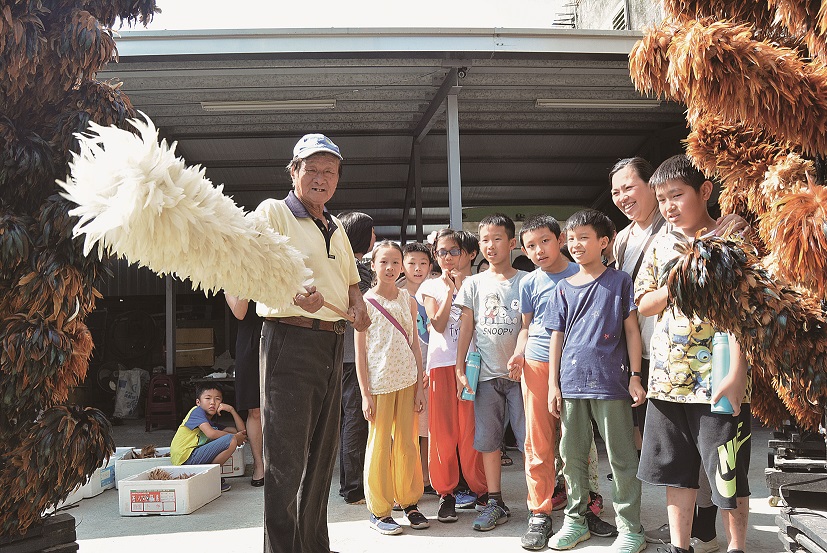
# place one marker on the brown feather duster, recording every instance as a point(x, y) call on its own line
point(50, 52)
point(55, 454)
point(719, 64)
point(782, 331)
point(797, 224)
point(737, 155)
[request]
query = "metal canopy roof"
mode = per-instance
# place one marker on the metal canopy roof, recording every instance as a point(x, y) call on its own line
point(389, 87)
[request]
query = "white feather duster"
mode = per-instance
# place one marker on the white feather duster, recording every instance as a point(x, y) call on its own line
point(136, 199)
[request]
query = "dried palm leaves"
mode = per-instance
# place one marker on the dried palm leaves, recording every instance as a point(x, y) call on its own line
point(783, 331)
point(136, 199)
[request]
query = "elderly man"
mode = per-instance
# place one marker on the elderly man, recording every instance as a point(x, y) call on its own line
point(301, 355)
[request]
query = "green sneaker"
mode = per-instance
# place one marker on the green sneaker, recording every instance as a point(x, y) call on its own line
point(629, 543)
point(569, 535)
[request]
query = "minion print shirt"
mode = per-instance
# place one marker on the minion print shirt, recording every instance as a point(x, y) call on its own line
point(681, 349)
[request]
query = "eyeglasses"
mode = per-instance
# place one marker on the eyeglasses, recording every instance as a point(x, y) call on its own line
point(455, 252)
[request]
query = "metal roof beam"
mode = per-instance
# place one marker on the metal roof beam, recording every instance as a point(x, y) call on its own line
point(429, 117)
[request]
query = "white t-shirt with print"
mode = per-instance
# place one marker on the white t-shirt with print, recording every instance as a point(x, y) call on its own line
point(442, 347)
point(497, 319)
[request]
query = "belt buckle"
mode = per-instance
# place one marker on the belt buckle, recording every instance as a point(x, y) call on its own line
point(339, 326)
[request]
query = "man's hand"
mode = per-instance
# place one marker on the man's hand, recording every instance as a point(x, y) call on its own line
point(637, 392)
point(311, 302)
point(361, 319)
point(732, 224)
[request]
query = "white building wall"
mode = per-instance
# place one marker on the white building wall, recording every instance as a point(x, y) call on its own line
point(599, 14)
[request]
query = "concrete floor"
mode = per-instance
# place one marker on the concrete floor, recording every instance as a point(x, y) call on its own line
point(233, 522)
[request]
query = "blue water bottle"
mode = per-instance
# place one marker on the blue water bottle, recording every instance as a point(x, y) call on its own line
point(472, 372)
point(720, 368)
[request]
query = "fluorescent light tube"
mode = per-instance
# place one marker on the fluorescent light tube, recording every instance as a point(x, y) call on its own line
point(595, 104)
point(269, 105)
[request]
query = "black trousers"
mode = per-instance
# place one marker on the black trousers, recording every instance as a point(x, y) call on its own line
point(354, 438)
point(300, 416)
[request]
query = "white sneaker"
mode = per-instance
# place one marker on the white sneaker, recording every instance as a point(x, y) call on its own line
point(701, 546)
point(659, 535)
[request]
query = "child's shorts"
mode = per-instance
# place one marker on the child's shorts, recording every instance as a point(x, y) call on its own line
point(497, 402)
point(679, 437)
point(204, 454)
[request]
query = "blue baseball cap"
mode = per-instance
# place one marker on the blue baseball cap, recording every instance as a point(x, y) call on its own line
point(311, 144)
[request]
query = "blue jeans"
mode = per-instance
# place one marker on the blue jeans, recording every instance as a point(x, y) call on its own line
point(204, 454)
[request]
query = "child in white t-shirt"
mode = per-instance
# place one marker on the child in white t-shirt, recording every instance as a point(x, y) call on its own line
point(451, 420)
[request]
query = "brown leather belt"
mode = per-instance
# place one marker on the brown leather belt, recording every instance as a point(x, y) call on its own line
point(314, 324)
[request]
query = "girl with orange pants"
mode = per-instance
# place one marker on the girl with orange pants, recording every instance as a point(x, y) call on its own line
point(451, 425)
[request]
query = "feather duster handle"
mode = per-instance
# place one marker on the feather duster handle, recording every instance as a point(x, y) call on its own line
point(137, 200)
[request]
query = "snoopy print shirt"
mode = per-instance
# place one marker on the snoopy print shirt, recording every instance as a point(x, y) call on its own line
point(497, 319)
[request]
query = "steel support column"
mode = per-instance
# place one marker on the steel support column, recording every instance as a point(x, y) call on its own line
point(454, 180)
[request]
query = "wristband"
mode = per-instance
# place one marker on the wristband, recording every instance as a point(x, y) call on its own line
point(637, 374)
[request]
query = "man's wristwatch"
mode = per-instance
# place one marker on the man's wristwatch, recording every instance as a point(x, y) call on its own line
point(633, 373)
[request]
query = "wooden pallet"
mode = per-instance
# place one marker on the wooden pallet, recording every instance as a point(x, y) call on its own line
point(803, 530)
point(55, 535)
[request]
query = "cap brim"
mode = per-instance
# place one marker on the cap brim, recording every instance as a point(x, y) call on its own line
point(310, 151)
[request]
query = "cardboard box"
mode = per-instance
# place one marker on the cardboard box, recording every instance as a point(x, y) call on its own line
point(125, 468)
point(194, 347)
point(139, 496)
point(234, 466)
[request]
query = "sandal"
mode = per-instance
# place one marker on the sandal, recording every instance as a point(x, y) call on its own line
point(505, 460)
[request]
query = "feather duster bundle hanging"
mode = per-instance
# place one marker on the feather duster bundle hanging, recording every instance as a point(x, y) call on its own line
point(782, 331)
point(761, 15)
point(15, 242)
point(21, 45)
point(649, 62)
point(798, 17)
point(713, 63)
point(109, 11)
point(81, 44)
point(28, 168)
point(32, 351)
point(737, 155)
point(137, 200)
point(56, 453)
point(797, 222)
